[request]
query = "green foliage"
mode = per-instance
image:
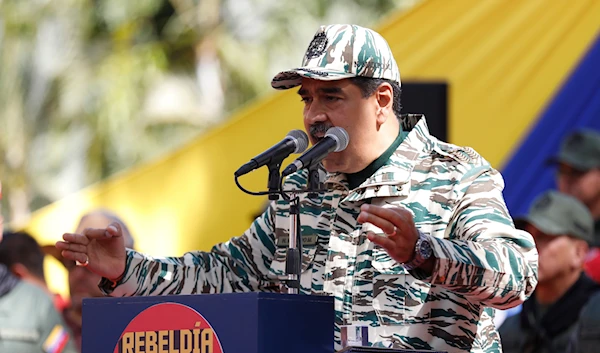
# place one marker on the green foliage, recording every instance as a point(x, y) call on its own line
point(91, 87)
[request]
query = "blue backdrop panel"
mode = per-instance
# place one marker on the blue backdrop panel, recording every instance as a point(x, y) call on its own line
point(576, 105)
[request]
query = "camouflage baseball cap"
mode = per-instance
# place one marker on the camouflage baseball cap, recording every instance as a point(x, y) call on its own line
point(580, 150)
point(555, 213)
point(342, 51)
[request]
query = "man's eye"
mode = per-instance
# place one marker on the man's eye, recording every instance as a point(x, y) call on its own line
point(332, 98)
point(305, 99)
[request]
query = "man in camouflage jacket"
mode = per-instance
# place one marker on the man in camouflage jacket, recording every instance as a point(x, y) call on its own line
point(413, 239)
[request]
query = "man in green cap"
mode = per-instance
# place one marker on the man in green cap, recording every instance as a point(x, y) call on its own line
point(563, 229)
point(412, 237)
point(579, 176)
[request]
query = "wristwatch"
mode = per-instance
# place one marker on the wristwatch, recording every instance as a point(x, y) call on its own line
point(423, 251)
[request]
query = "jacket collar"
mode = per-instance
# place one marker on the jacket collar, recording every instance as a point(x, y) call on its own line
point(392, 179)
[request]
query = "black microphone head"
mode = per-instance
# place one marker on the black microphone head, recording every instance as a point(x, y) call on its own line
point(340, 136)
point(301, 140)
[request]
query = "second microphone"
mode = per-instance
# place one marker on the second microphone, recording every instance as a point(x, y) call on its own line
point(336, 139)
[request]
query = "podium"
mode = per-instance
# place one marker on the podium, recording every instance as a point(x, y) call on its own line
point(209, 323)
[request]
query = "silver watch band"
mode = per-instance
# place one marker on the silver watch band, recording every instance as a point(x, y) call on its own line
point(422, 253)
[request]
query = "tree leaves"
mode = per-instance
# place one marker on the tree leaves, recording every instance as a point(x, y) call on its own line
point(91, 87)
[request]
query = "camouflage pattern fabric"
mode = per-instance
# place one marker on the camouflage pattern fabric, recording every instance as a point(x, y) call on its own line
point(456, 199)
point(342, 51)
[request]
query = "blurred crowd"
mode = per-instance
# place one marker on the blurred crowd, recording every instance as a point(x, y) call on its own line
point(32, 318)
point(563, 314)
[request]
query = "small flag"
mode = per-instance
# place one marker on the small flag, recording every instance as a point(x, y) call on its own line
point(57, 340)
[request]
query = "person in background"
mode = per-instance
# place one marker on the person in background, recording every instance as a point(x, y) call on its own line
point(83, 283)
point(562, 228)
point(578, 175)
point(29, 322)
point(578, 164)
point(586, 338)
point(22, 254)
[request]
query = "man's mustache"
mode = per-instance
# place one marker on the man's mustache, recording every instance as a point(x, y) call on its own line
point(318, 129)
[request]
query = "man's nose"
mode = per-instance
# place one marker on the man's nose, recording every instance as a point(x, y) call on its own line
point(314, 115)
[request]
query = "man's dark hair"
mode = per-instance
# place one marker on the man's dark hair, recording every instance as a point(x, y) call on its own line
point(368, 86)
point(22, 248)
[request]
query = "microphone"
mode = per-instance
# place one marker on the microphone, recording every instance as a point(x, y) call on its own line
point(296, 141)
point(336, 139)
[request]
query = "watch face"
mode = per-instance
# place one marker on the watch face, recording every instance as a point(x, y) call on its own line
point(425, 249)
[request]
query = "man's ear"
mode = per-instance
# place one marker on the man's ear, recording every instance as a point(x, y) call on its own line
point(19, 270)
point(581, 250)
point(384, 96)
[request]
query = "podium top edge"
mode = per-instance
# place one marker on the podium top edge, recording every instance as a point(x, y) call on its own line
point(250, 296)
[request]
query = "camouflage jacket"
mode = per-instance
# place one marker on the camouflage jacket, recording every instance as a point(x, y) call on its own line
point(456, 198)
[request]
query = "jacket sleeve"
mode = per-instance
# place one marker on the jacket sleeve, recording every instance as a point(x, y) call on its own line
point(240, 264)
point(482, 255)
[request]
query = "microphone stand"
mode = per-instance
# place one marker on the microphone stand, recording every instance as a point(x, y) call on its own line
point(274, 180)
point(293, 259)
point(293, 264)
point(314, 182)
